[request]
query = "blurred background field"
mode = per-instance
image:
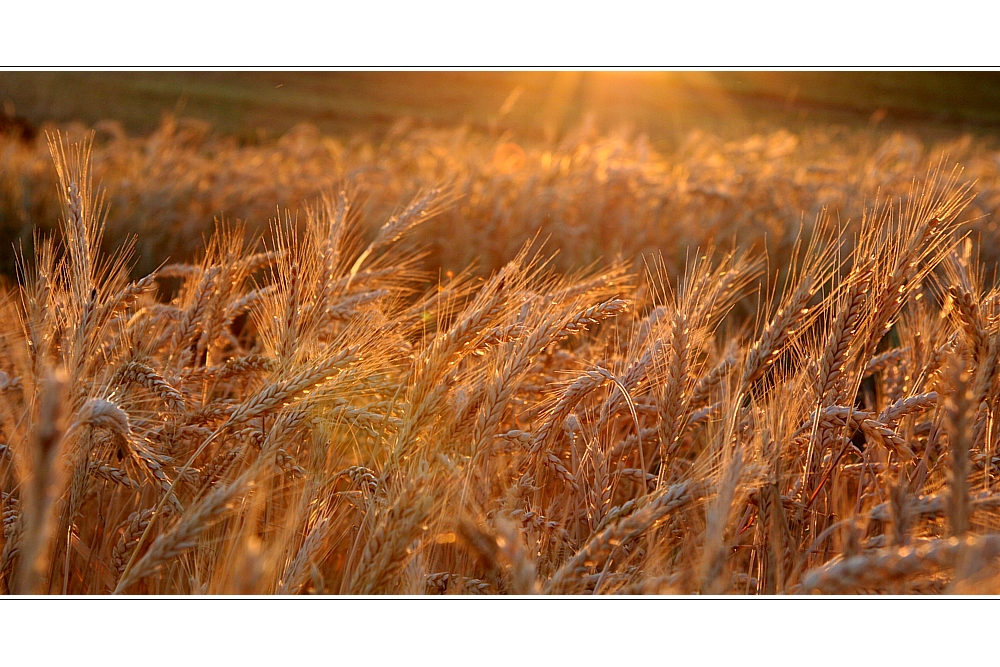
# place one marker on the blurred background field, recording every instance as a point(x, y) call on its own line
point(601, 164)
point(254, 104)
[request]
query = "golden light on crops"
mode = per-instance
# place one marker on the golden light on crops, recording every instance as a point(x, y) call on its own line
point(711, 379)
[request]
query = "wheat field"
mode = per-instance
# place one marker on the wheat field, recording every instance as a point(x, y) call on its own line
point(762, 367)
